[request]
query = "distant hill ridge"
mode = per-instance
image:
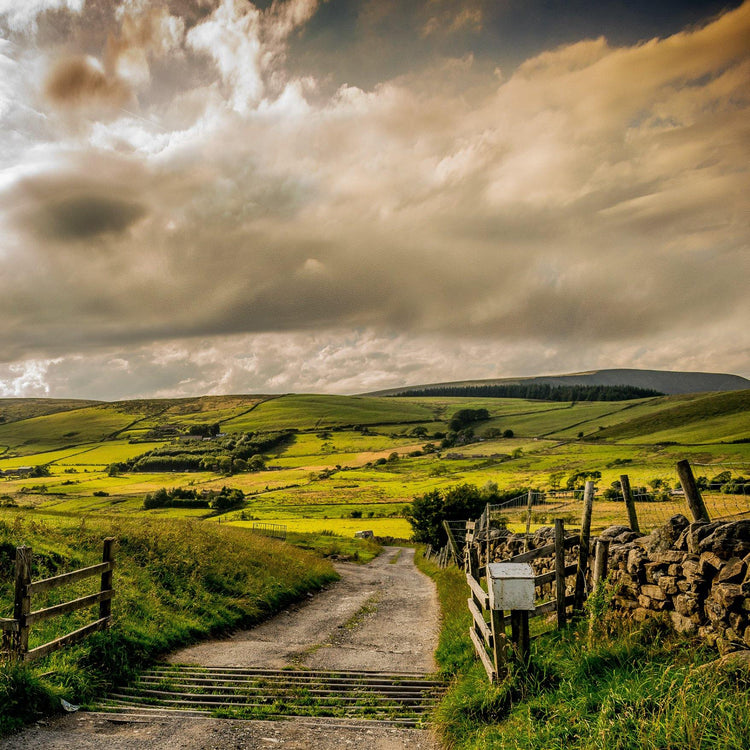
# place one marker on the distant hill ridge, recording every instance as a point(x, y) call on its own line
point(665, 381)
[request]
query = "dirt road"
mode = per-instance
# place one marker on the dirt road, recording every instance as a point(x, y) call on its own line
point(382, 617)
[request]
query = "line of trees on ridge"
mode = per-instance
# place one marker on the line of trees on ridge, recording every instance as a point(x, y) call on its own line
point(537, 391)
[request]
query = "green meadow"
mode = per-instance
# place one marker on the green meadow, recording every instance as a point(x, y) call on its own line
point(351, 463)
point(340, 465)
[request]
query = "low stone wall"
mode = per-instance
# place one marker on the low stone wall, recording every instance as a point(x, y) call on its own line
point(696, 573)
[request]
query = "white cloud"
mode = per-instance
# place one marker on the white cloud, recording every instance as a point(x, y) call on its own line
point(582, 209)
point(25, 379)
point(22, 14)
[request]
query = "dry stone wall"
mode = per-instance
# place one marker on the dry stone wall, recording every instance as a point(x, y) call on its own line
point(696, 573)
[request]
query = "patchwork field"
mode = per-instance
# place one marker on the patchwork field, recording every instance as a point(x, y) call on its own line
point(350, 463)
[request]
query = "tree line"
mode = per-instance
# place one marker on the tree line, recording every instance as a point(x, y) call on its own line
point(537, 391)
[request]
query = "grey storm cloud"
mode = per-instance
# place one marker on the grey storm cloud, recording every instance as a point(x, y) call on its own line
point(84, 216)
point(176, 178)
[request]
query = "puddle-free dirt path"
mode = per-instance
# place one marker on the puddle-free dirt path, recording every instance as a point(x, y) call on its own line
point(382, 616)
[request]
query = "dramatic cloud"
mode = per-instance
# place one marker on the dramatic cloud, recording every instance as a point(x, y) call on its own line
point(172, 186)
point(80, 81)
point(22, 15)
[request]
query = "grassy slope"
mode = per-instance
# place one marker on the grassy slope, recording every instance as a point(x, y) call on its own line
point(15, 409)
point(712, 418)
point(306, 412)
point(62, 429)
point(624, 689)
point(176, 582)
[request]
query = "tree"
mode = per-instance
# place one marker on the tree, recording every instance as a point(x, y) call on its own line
point(227, 498)
point(508, 434)
point(256, 463)
point(427, 512)
point(464, 417)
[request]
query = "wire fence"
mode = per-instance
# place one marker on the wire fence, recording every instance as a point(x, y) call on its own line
point(274, 530)
point(725, 488)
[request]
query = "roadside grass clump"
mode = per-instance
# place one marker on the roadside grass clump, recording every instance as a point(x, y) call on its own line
point(619, 686)
point(176, 582)
point(331, 545)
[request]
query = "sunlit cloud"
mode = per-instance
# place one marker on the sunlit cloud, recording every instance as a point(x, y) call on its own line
point(585, 209)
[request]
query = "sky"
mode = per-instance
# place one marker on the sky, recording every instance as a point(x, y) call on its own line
point(215, 196)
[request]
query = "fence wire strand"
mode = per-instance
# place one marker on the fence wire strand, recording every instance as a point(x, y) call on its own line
point(725, 487)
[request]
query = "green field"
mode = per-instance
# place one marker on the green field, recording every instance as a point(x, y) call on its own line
point(357, 454)
point(308, 412)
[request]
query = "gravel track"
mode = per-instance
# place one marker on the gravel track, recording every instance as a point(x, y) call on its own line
point(382, 617)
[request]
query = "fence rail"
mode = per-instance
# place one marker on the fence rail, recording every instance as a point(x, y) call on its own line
point(15, 630)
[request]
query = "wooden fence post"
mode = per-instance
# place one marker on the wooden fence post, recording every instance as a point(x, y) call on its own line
point(487, 531)
point(22, 601)
point(583, 549)
point(519, 627)
point(692, 493)
point(497, 623)
point(627, 496)
point(601, 561)
point(105, 606)
point(529, 503)
point(560, 572)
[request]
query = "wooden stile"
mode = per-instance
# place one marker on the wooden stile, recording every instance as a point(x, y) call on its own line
point(490, 636)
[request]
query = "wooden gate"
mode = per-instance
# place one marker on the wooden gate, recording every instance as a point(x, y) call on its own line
point(487, 631)
point(16, 629)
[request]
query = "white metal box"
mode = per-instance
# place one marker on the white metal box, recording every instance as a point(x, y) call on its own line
point(510, 586)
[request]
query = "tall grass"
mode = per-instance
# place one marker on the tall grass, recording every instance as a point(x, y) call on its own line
point(623, 688)
point(176, 582)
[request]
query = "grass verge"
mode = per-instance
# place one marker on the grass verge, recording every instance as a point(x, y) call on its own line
point(336, 547)
point(627, 688)
point(176, 582)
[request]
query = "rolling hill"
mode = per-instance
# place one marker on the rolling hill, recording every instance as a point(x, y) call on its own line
point(665, 381)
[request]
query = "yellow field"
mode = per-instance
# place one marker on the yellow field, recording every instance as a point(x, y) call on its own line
point(396, 527)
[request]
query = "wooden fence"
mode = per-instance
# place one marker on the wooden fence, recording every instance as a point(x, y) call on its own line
point(442, 557)
point(16, 629)
point(487, 631)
